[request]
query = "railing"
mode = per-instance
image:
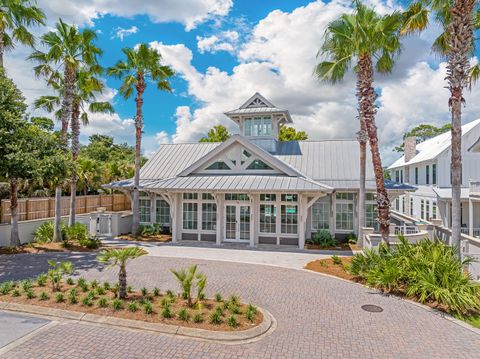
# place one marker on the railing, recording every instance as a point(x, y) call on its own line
point(476, 231)
point(402, 230)
point(475, 188)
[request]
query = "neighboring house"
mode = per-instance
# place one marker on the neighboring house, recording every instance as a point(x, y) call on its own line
point(253, 188)
point(427, 166)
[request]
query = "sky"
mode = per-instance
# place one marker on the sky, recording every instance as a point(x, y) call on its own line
point(223, 51)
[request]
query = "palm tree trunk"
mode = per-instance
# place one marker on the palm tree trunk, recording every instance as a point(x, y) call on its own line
point(2, 48)
point(460, 42)
point(14, 238)
point(362, 139)
point(122, 282)
point(138, 145)
point(75, 126)
point(69, 75)
point(366, 95)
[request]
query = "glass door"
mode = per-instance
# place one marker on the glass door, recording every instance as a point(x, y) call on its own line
point(244, 223)
point(230, 222)
point(237, 222)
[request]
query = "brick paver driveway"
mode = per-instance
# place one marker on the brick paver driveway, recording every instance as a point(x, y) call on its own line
point(318, 317)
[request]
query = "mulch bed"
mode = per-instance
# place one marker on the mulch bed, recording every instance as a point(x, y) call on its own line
point(35, 248)
point(340, 247)
point(207, 307)
point(327, 266)
point(159, 238)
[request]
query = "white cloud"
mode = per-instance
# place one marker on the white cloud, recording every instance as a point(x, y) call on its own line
point(121, 33)
point(224, 41)
point(190, 13)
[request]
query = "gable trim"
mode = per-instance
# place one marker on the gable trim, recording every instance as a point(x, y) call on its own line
point(259, 97)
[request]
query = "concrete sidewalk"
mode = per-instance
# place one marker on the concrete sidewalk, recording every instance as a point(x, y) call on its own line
point(289, 257)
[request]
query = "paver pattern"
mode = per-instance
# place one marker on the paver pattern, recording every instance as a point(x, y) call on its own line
point(318, 317)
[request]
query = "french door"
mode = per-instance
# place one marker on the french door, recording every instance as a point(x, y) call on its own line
point(237, 222)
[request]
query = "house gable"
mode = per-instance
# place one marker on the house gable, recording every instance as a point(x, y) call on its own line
point(239, 156)
point(256, 101)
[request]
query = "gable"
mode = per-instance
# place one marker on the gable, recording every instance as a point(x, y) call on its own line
point(257, 101)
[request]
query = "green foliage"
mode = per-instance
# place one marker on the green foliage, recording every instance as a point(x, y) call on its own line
point(250, 313)
point(106, 285)
point(150, 230)
point(422, 133)
point(16, 293)
point(183, 314)
point(234, 300)
point(288, 133)
point(218, 297)
point(351, 238)
point(30, 294)
point(73, 296)
point(94, 283)
point(323, 238)
point(232, 321)
point(336, 259)
point(129, 289)
point(117, 304)
point(102, 302)
point(166, 311)
point(186, 278)
point(6, 287)
point(132, 307)
point(198, 318)
point(59, 297)
point(100, 290)
point(70, 281)
point(87, 301)
point(144, 291)
point(44, 233)
point(81, 282)
point(427, 270)
point(234, 309)
point(215, 317)
point(156, 292)
point(218, 133)
point(44, 296)
point(26, 284)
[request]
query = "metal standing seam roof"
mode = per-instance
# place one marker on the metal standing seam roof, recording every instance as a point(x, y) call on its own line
point(430, 149)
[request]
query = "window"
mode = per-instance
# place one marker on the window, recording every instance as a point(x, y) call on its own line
point(289, 198)
point(428, 210)
point(411, 206)
point(219, 165)
point(344, 216)
point(144, 208)
point(422, 209)
point(258, 126)
point(321, 215)
point(397, 203)
point(268, 197)
point(401, 176)
point(258, 165)
point(403, 204)
point(344, 196)
point(207, 197)
point(427, 174)
point(434, 174)
point(190, 211)
point(416, 175)
point(162, 212)
point(289, 219)
point(190, 196)
point(371, 215)
point(434, 210)
point(268, 218)
point(236, 197)
point(209, 216)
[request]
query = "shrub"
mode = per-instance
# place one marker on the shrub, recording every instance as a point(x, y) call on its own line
point(30, 294)
point(56, 273)
point(81, 282)
point(70, 281)
point(42, 279)
point(94, 283)
point(148, 307)
point(215, 317)
point(132, 307)
point(6, 287)
point(44, 233)
point(166, 312)
point(250, 315)
point(323, 238)
point(79, 232)
point(117, 304)
point(218, 297)
point(144, 291)
point(106, 285)
point(87, 301)
point(428, 270)
point(336, 259)
point(84, 287)
point(16, 293)
point(102, 302)
point(170, 293)
point(129, 289)
point(252, 308)
point(72, 296)
point(59, 297)
point(198, 318)
point(44, 296)
point(184, 315)
point(351, 238)
point(26, 284)
point(150, 230)
point(232, 321)
point(219, 310)
point(234, 300)
point(100, 291)
point(156, 292)
point(165, 301)
point(234, 309)
point(186, 278)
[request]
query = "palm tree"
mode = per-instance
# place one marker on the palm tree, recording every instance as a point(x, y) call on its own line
point(87, 87)
point(71, 50)
point(15, 18)
point(364, 37)
point(142, 63)
point(120, 257)
point(459, 18)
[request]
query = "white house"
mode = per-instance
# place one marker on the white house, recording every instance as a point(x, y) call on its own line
point(427, 167)
point(253, 188)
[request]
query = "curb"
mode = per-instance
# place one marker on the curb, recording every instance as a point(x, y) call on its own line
point(241, 337)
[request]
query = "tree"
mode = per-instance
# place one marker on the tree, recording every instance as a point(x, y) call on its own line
point(84, 101)
point(15, 18)
point(120, 257)
point(363, 36)
point(218, 133)
point(458, 19)
point(142, 63)
point(290, 134)
point(28, 150)
point(71, 50)
point(422, 133)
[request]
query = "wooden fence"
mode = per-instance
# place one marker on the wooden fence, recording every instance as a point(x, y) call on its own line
point(38, 208)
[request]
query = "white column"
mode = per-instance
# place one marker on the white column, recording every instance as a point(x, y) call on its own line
point(470, 217)
point(447, 214)
point(220, 217)
point(302, 214)
point(152, 197)
point(254, 218)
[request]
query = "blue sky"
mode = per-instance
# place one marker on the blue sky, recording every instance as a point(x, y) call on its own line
point(225, 50)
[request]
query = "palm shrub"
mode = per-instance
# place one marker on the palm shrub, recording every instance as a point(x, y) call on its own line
point(120, 257)
point(56, 273)
point(44, 233)
point(186, 278)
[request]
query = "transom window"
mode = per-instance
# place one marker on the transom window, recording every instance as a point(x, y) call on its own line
point(289, 198)
point(236, 197)
point(344, 196)
point(218, 165)
point(162, 212)
point(268, 197)
point(190, 196)
point(258, 126)
point(207, 197)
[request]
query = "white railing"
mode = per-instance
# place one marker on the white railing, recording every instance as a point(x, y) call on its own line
point(475, 188)
point(476, 231)
point(406, 230)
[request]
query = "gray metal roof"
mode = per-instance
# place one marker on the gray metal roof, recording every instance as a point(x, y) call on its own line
point(229, 183)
